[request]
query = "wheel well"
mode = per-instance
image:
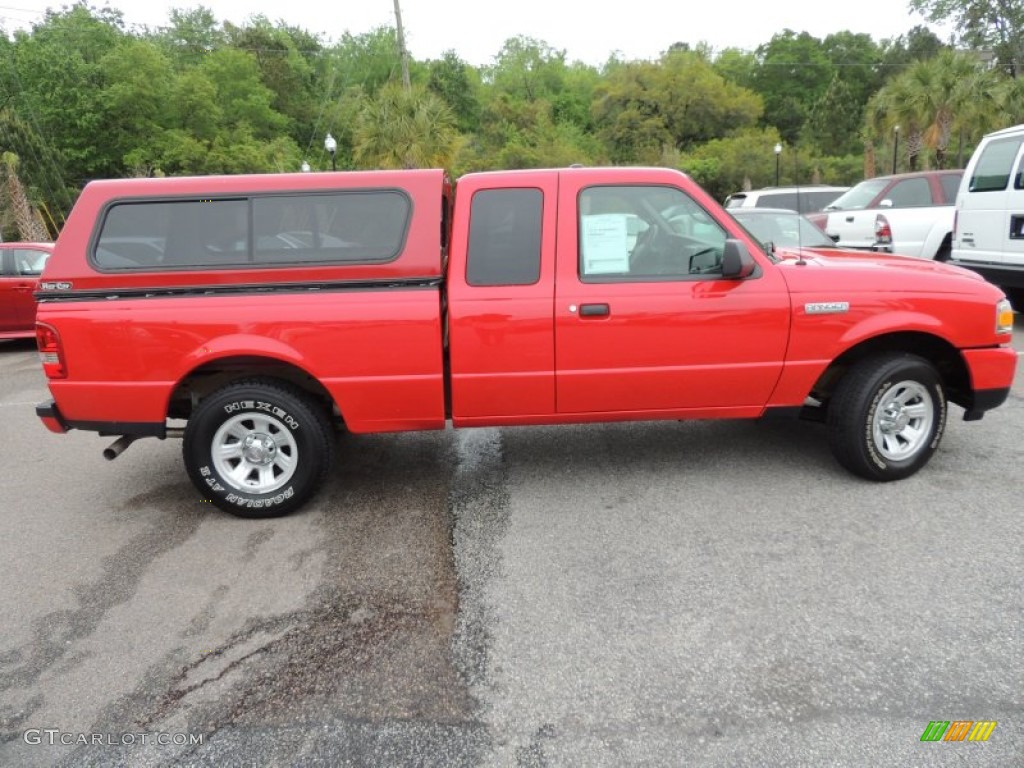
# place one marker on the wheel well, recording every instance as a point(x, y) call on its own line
point(212, 376)
point(944, 356)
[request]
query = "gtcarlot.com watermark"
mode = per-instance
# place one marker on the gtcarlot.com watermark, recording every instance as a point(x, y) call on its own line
point(55, 736)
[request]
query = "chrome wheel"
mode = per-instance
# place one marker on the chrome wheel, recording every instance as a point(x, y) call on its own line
point(903, 420)
point(255, 453)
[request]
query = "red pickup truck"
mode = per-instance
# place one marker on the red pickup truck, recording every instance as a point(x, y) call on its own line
point(265, 310)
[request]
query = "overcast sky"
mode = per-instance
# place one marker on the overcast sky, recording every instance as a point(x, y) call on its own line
point(588, 31)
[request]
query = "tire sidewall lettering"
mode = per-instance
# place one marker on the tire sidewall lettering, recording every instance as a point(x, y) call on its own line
point(939, 400)
point(240, 407)
point(869, 436)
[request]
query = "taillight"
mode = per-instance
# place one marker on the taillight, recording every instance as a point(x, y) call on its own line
point(883, 232)
point(51, 353)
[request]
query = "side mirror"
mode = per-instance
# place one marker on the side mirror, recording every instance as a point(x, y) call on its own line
point(737, 262)
point(834, 237)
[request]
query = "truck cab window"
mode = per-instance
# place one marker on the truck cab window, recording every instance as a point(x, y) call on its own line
point(646, 233)
point(504, 237)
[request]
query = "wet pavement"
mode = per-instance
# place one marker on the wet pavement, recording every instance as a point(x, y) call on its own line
point(707, 593)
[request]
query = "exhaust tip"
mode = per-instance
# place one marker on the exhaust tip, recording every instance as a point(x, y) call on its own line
point(117, 447)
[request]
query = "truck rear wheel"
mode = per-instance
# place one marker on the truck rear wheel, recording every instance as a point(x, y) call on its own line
point(887, 416)
point(258, 448)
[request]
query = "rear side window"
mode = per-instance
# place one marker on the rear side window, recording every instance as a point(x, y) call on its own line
point(504, 237)
point(351, 227)
point(357, 227)
point(950, 186)
point(992, 171)
point(181, 233)
point(778, 200)
point(910, 193)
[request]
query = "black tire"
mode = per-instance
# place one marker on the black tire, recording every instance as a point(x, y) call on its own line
point(887, 416)
point(945, 250)
point(284, 448)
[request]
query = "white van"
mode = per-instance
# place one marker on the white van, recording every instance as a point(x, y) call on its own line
point(988, 235)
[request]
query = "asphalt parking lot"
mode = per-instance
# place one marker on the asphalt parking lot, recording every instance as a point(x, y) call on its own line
point(703, 593)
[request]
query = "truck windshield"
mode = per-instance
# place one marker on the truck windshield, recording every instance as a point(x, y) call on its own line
point(859, 196)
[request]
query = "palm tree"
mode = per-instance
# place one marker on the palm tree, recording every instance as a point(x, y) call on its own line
point(933, 99)
point(27, 220)
point(405, 129)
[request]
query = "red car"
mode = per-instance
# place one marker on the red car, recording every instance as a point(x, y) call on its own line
point(20, 267)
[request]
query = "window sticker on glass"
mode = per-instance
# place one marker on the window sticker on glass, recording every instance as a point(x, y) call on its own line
point(605, 244)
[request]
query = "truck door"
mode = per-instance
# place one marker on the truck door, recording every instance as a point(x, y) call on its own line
point(644, 321)
point(500, 293)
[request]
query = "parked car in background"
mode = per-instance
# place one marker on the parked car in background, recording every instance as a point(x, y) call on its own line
point(989, 236)
point(804, 199)
point(20, 267)
point(782, 228)
point(907, 213)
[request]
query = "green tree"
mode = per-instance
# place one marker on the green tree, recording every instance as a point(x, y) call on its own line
point(138, 83)
point(59, 82)
point(834, 121)
point(287, 59)
point(191, 34)
point(643, 108)
point(458, 84)
point(243, 98)
point(997, 25)
point(855, 59)
point(736, 66)
point(793, 75)
point(898, 53)
point(405, 129)
point(931, 102)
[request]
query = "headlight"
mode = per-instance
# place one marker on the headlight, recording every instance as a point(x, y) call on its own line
point(1004, 317)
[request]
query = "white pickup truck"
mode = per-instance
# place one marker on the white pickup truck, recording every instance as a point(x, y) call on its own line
point(909, 213)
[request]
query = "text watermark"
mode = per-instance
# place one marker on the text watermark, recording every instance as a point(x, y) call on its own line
point(55, 736)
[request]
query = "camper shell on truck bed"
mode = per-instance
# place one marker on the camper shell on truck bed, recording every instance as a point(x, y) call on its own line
point(263, 310)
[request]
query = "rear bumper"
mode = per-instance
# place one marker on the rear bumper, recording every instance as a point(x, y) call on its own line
point(54, 420)
point(50, 415)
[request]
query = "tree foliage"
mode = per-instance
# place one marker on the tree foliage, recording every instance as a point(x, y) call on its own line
point(644, 108)
point(81, 98)
point(996, 25)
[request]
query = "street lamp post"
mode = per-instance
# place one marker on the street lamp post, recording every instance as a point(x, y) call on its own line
point(778, 155)
point(895, 145)
point(331, 145)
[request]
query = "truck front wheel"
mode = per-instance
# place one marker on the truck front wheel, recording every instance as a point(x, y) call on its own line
point(258, 448)
point(887, 416)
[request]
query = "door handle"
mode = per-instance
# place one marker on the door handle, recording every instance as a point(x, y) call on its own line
point(594, 310)
point(849, 219)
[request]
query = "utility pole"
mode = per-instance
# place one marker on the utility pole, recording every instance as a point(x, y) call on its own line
point(402, 52)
